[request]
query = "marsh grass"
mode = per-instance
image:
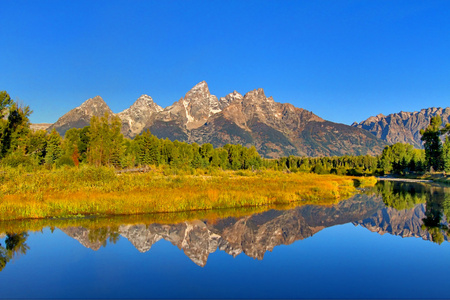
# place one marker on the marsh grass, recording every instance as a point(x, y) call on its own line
point(99, 191)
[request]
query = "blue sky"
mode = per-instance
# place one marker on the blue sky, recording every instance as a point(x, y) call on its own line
point(343, 60)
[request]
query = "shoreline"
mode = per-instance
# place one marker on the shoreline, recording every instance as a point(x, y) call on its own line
point(405, 180)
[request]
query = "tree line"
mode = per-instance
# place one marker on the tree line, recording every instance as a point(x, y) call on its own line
point(102, 144)
point(395, 159)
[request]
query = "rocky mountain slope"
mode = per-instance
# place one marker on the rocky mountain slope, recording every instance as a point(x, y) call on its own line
point(275, 129)
point(403, 127)
point(40, 126)
point(80, 117)
point(135, 118)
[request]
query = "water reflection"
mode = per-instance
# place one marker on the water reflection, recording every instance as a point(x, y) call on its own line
point(436, 216)
point(15, 245)
point(407, 210)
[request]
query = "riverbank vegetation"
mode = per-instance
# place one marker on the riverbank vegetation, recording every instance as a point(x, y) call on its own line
point(88, 190)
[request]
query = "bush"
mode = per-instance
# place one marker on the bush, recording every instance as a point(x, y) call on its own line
point(95, 174)
point(65, 160)
point(16, 159)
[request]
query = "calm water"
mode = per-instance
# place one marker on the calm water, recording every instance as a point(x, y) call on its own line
point(388, 243)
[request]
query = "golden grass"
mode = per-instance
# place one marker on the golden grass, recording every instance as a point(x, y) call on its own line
point(99, 191)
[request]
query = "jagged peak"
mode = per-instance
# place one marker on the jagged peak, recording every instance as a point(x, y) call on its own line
point(93, 106)
point(142, 104)
point(235, 94)
point(231, 97)
point(144, 100)
point(200, 89)
point(256, 93)
point(145, 97)
point(94, 100)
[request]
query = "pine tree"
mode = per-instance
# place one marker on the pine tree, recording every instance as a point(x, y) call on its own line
point(446, 155)
point(432, 143)
point(53, 150)
point(105, 141)
point(14, 125)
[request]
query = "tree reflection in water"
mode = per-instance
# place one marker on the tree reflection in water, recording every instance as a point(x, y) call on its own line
point(401, 195)
point(15, 245)
point(437, 215)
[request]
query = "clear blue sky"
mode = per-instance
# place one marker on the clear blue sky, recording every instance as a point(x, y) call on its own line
point(343, 60)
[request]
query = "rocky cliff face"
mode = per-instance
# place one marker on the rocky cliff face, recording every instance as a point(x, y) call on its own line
point(403, 127)
point(275, 129)
point(40, 126)
point(193, 110)
point(135, 118)
point(278, 129)
point(81, 116)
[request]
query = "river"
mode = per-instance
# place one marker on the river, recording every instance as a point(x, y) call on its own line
point(387, 242)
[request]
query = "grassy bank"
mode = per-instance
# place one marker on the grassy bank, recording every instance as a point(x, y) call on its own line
point(437, 177)
point(100, 191)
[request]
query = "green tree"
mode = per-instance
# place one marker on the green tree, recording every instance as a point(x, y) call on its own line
point(197, 161)
point(397, 158)
point(53, 150)
point(148, 147)
point(432, 143)
point(105, 141)
point(446, 155)
point(37, 145)
point(14, 125)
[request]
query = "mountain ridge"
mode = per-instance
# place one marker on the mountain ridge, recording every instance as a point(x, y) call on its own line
point(403, 127)
point(275, 129)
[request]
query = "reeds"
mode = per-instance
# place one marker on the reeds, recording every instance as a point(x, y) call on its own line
point(84, 191)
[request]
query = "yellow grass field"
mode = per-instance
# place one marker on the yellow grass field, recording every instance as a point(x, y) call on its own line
point(84, 191)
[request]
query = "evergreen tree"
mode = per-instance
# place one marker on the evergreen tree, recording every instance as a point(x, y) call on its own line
point(446, 155)
point(432, 143)
point(14, 125)
point(197, 161)
point(53, 150)
point(148, 148)
point(105, 141)
point(37, 145)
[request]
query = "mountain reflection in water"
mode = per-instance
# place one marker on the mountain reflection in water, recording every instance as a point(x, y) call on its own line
point(407, 210)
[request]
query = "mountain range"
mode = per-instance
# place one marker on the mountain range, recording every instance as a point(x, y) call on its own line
point(275, 129)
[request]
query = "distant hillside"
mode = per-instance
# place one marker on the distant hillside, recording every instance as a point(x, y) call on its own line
point(40, 126)
point(403, 127)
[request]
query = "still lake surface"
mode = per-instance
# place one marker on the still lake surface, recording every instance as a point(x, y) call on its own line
point(390, 242)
